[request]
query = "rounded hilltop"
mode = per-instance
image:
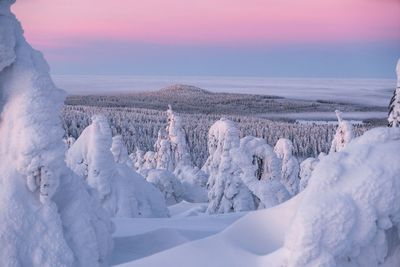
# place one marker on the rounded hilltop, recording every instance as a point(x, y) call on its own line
point(183, 89)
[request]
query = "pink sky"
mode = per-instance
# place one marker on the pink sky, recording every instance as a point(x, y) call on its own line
point(212, 22)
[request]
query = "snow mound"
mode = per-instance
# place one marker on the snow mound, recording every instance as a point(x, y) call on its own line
point(350, 211)
point(187, 209)
point(244, 243)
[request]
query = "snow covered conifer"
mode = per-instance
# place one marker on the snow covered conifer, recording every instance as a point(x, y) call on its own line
point(290, 165)
point(102, 162)
point(47, 216)
point(90, 157)
point(177, 137)
point(227, 193)
point(343, 136)
point(167, 183)
point(119, 150)
point(260, 171)
point(349, 215)
point(69, 141)
point(244, 174)
point(394, 106)
point(149, 160)
point(164, 156)
point(172, 154)
point(137, 159)
point(306, 169)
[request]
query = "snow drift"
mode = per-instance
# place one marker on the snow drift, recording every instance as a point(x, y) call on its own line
point(350, 211)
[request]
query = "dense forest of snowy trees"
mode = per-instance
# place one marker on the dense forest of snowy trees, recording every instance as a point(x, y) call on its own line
point(140, 128)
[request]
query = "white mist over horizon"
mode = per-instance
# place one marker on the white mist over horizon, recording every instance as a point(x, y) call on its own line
point(374, 92)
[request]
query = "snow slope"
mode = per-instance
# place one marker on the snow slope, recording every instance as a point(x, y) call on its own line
point(140, 237)
point(348, 216)
point(242, 244)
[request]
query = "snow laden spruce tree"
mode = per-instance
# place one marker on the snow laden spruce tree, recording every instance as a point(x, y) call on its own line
point(164, 154)
point(47, 216)
point(307, 166)
point(344, 134)
point(394, 106)
point(102, 162)
point(226, 191)
point(172, 155)
point(193, 180)
point(349, 215)
point(244, 174)
point(260, 171)
point(290, 165)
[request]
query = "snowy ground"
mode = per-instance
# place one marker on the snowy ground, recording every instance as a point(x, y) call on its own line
point(136, 238)
point(223, 238)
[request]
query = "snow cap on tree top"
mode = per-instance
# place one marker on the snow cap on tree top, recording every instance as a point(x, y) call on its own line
point(339, 115)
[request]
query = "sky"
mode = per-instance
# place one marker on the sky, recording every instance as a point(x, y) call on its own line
point(270, 38)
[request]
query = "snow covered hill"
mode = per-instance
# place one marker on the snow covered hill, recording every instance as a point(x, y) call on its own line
point(183, 89)
point(190, 99)
point(348, 216)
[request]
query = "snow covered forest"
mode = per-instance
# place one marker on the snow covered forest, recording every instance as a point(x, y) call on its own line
point(139, 128)
point(94, 185)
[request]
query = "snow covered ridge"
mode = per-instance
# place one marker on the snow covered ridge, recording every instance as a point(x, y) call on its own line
point(47, 215)
point(183, 89)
